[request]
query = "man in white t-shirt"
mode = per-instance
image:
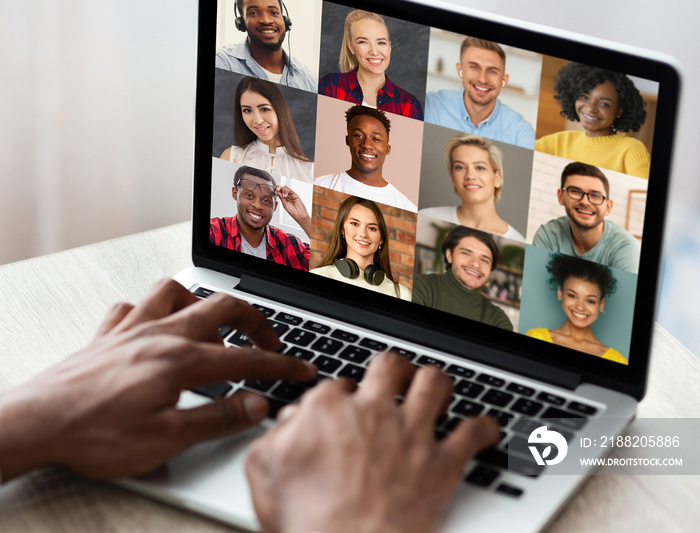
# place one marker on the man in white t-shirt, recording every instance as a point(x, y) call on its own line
point(368, 140)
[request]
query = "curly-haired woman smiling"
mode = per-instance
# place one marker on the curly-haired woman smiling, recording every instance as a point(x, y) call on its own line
point(608, 105)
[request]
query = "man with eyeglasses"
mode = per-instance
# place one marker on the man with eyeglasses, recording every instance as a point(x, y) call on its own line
point(584, 232)
point(256, 193)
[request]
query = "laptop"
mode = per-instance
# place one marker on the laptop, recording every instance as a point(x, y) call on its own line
point(536, 293)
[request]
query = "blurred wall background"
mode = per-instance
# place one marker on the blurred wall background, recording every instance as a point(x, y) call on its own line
point(97, 107)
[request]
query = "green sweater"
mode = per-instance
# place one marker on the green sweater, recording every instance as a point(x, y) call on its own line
point(444, 292)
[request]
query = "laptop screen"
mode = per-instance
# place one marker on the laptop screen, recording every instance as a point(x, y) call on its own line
point(482, 172)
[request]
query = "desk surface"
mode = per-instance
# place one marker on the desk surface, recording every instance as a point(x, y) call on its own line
point(51, 305)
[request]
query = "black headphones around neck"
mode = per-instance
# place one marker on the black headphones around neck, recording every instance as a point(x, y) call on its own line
point(240, 23)
point(349, 269)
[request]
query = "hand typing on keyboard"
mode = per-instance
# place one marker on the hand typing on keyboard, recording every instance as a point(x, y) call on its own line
point(350, 459)
point(109, 410)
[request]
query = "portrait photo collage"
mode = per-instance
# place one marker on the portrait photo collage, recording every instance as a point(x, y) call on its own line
point(468, 176)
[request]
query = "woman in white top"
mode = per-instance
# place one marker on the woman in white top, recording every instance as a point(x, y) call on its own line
point(358, 252)
point(264, 132)
point(476, 167)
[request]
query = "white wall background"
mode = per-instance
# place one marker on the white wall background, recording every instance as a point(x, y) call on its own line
point(96, 111)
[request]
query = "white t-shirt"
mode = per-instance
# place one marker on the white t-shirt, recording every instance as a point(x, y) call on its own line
point(448, 213)
point(387, 286)
point(388, 194)
point(258, 155)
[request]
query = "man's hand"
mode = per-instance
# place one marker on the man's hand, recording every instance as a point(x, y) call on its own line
point(292, 204)
point(349, 460)
point(110, 409)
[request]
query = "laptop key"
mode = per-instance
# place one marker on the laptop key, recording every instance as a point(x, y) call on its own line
point(526, 407)
point(279, 328)
point(353, 372)
point(213, 390)
point(374, 345)
point(327, 346)
point(497, 397)
point(520, 389)
point(203, 292)
point(424, 360)
point(355, 354)
point(289, 319)
point(326, 364)
point(459, 371)
point(408, 354)
point(491, 380)
point(265, 310)
point(467, 408)
point(301, 353)
point(510, 490)
point(344, 335)
point(289, 391)
point(239, 339)
point(551, 398)
point(300, 337)
point(482, 476)
point(321, 329)
point(468, 389)
point(582, 408)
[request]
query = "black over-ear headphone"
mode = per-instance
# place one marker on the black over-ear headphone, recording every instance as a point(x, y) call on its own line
point(349, 269)
point(240, 23)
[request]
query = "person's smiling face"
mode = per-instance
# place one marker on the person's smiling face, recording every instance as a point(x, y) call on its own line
point(256, 206)
point(260, 117)
point(471, 261)
point(597, 109)
point(483, 74)
point(369, 143)
point(581, 301)
point(362, 233)
point(582, 213)
point(473, 175)
point(369, 43)
point(264, 22)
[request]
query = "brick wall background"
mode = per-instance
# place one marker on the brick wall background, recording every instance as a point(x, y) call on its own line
point(401, 226)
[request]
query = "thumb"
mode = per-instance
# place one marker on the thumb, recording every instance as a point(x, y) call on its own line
point(222, 417)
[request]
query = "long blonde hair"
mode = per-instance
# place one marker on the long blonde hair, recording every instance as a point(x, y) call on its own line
point(347, 60)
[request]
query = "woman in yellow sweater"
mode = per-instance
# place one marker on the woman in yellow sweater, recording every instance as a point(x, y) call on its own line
point(607, 104)
point(581, 288)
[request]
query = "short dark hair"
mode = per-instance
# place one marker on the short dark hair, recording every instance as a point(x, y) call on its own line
point(244, 169)
point(575, 79)
point(458, 233)
point(562, 267)
point(358, 110)
point(240, 6)
point(584, 169)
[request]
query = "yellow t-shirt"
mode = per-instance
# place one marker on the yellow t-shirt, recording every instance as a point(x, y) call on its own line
point(543, 335)
point(618, 152)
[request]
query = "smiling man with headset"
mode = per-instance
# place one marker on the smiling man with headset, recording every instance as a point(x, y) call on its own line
point(261, 55)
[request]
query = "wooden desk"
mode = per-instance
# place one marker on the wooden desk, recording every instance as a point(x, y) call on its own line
point(51, 305)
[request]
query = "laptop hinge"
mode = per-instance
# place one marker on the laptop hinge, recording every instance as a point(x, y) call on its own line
point(417, 333)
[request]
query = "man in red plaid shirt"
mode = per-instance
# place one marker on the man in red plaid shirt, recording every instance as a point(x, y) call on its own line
point(249, 231)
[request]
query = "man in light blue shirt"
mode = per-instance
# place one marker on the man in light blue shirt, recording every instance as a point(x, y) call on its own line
point(477, 109)
point(584, 232)
point(261, 54)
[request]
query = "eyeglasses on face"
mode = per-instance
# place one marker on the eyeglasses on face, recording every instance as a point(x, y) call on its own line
point(250, 185)
point(575, 193)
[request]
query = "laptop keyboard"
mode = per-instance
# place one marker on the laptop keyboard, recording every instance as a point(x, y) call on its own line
point(338, 353)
